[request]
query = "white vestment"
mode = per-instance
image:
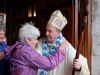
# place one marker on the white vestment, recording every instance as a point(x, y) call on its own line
point(66, 67)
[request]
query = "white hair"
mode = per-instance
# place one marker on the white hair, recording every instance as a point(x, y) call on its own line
point(28, 30)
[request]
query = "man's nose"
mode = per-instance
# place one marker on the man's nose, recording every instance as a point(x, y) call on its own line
point(47, 33)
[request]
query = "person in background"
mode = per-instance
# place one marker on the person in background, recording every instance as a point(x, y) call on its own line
point(4, 63)
point(24, 59)
point(47, 46)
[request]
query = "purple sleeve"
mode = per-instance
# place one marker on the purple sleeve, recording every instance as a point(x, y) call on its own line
point(35, 60)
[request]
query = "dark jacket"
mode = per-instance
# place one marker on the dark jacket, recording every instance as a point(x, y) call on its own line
point(5, 63)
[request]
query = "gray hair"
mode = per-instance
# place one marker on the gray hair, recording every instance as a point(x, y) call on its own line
point(2, 27)
point(28, 30)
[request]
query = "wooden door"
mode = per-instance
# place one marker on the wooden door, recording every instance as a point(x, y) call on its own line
point(17, 13)
point(70, 9)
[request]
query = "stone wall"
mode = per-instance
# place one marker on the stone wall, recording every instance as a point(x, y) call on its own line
point(95, 4)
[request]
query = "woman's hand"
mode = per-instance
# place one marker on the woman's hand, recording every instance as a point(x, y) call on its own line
point(63, 45)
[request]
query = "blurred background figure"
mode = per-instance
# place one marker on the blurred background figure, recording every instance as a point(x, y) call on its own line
point(4, 62)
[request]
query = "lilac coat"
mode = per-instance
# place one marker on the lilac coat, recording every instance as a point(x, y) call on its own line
point(26, 61)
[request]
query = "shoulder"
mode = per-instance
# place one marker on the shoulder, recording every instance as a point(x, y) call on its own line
point(38, 47)
point(68, 44)
point(3, 44)
point(41, 41)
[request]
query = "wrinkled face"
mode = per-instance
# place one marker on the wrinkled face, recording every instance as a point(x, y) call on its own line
point(51, 33)
point(34, 41)
point(2, 35)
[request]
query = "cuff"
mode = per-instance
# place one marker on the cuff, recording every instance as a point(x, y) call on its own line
point(79, 68)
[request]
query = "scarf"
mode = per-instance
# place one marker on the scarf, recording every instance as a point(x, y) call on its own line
point(50, 49)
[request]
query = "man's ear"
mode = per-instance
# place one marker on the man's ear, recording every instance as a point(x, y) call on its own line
point(58, 31)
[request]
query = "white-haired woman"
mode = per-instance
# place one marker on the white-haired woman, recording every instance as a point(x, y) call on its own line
point(24, 59)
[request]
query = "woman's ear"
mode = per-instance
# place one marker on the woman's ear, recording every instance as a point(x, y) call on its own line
point(26, 40)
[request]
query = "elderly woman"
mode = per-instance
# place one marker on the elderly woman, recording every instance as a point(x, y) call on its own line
point(23, 57)
point(4, 63)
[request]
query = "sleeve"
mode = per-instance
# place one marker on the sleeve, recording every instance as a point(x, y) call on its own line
point(84, 69)
point(35, 60)
point(2, 46)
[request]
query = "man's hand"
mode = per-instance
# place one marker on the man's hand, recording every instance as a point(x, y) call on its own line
point(76, 64)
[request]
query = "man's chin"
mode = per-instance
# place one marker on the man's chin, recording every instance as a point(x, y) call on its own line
point(48, 40)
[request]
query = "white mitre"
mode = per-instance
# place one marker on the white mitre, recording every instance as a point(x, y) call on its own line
point(57, 20)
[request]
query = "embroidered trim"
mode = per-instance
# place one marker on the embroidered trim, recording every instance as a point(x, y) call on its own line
point(50, 49)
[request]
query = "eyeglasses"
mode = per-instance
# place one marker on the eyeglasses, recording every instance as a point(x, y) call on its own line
point(35, 38)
